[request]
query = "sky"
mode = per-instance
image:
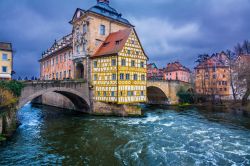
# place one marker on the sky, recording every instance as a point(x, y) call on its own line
point(170, 30)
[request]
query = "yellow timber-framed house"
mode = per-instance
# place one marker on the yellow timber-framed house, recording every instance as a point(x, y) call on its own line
point(119, 69)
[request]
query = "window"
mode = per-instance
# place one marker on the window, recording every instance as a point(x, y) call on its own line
point(95, 77)
point(102, 29)
point(4, 57)
point(130, 93)
point(65, 57)
point(214, 76)
point(137, 52)
point(128, 51)
point(104, 94)
point(225, 89)
point(121, 76)
point(143, 77)
point(95, 64)
point(60, 75)
point(61, 58)
point(142, 64)
point(123, 62)
point(112, 94)
point(121, 93)
point(132, 42)
point(69, 73)
point(98, 93)
point(4, 69)
point(142, 93)
point(135, 77)
point(113, 62)
point(84, 28)
point(113, 77)
point(56, 75)
point(133, 63)
point(57, 60)
point(65, 73)
point(127, 76)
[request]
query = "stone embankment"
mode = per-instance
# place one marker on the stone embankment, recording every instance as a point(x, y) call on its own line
point(8, 121)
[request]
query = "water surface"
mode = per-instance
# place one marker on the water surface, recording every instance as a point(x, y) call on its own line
point(50, 136)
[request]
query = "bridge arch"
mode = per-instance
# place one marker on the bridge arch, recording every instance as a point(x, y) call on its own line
point(156, 95)
point(79, 99)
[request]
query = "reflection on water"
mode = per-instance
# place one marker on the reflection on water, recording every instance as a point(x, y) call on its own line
point(51, 136)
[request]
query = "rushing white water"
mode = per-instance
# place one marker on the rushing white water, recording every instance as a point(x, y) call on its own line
point(163, 137)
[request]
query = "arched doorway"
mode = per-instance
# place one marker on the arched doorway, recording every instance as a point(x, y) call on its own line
point(79, 71)
point(156, 96)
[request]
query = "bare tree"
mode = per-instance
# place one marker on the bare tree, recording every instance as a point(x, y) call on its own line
point(246, 47)
point(238, 49)
point(232, 57)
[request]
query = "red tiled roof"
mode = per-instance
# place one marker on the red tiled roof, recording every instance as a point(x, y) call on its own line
point(114, 43)
point(176, 66)
point(5, 46)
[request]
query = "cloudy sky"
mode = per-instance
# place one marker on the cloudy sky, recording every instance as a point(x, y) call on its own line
point(169, 29)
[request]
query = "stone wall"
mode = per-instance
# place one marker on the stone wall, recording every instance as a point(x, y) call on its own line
point(8, 121)
point(100, 108)
point(55, 100)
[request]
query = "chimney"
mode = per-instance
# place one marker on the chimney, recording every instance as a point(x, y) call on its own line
point(103, 1)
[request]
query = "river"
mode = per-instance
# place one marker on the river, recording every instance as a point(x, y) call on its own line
point(51, 136)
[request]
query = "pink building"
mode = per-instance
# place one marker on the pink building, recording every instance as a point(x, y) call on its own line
point(176, 71)
point(56, 62)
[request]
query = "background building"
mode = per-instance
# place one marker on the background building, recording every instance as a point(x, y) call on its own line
point(6, 61)
point(212, 76)
point(176, 71)
point(153, 73)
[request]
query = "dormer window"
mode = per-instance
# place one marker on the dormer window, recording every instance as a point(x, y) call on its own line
point(118, 42)
point(105, 44)
point(102, 29)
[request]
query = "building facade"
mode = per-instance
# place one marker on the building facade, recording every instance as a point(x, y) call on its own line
point(176, 71)
point(153, 73)
point(90, 28)
point(104, 50)
point(56, 63)
point(6, 61)
point(212, 76)
point(119, 69)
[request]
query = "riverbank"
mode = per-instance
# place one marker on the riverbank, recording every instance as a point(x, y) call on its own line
point(8, 121)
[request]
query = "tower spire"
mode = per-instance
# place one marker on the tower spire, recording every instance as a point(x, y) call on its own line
point(103, 1)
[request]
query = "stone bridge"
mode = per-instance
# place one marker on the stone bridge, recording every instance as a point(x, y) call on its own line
point(77, 92)
point(164, 92)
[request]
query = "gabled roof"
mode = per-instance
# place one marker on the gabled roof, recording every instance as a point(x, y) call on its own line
point(114, 43)
point(152, 65)
point(176, 66)
point(5, 46)
point(215, 60)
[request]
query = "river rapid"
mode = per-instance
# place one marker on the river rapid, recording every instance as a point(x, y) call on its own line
point(164, 136)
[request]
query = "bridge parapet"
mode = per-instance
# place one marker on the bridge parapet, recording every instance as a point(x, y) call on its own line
point(165, 91)
point(76, 91)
